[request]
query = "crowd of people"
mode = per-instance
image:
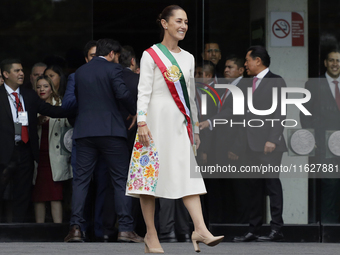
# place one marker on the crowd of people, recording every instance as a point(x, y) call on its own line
point(137, 136)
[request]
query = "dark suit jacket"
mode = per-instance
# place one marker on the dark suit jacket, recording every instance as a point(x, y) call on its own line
point(262, 100)
point(131, 81)
point(99, 87)
point(69, 100)
point(205, 135)
point(33, 105)
point(324, 110)
point(226, 137)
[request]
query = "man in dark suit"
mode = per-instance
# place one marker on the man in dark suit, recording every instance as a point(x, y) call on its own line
point(97, 191)
point(100, 129)
point(224, 134)
point(127, 60)
point(324, 106)
point(202, 85)
point(19, 145)
point(212, 52)
point(228, 150)
point(264, 145)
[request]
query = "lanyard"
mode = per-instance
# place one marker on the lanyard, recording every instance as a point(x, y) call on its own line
point(16, 105)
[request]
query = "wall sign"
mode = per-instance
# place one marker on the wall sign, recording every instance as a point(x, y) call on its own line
point(287, 29)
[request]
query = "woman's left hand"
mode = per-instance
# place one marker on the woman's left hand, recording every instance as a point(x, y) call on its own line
point(197, 141)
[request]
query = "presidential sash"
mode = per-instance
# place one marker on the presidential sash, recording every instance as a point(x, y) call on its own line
point(175, 81)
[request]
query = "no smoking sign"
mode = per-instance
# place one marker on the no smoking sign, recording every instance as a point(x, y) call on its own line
point(287, 29)
point(281, 28)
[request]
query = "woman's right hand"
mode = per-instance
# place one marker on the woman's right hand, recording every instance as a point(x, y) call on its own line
point(144, 134)
point(42, 119)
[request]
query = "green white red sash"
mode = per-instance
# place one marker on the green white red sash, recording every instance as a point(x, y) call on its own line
point(175, 81)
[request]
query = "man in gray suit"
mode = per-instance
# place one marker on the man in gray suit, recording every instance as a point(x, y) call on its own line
point(324, 106)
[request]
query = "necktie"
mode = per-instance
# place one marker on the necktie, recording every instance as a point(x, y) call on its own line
point(24, 130)
point(219, 108)
point(337, 94)
point(254, 83)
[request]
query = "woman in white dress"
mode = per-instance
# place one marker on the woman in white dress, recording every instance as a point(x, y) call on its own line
point(163, 162)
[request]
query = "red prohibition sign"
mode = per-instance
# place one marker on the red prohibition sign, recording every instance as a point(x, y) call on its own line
point(283, 27)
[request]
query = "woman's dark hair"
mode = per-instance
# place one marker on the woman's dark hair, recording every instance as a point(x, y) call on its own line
point(166, 14)
point(57, 69)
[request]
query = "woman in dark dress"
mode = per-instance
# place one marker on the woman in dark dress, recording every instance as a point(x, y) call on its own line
point(53, 168)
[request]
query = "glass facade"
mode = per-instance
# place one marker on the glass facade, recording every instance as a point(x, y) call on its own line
point(56, 31)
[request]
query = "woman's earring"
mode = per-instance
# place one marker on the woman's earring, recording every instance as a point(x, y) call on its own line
point(166, 27)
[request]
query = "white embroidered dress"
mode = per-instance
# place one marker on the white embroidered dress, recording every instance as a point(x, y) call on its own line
point(167, 167)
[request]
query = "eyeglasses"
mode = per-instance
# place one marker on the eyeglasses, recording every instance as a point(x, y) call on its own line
point(214, 50)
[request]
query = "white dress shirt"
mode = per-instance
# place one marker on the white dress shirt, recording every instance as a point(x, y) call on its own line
point(260, 76)
point(12, 103)
point(331, 84)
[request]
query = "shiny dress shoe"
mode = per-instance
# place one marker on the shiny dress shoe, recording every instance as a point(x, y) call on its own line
point(129, 236)
point(197, 238)
point(74, 235)
point(107, 239)
point(168, 237)
point(85, 237)
point(274, 236)
point(103, 239)
point(152, 250)
point(183, 238)
point(249, 237)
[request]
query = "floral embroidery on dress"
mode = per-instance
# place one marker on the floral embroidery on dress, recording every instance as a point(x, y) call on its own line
point(142, 113)
point(144, 168)
point(144, 160)
point(138, 146)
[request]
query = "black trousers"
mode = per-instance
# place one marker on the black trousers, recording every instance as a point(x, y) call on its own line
point(260, 187)
point(330, 190)
point(115, 152)
point(19, 173)
point(173, 216)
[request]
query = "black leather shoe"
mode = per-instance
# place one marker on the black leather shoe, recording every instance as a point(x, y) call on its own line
point(74, 235)
point(249, 237)
point(107, 239)
point(168, 237)
point(85, 237)
point(183, 238)
point(274, 236)
point(129, 236)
